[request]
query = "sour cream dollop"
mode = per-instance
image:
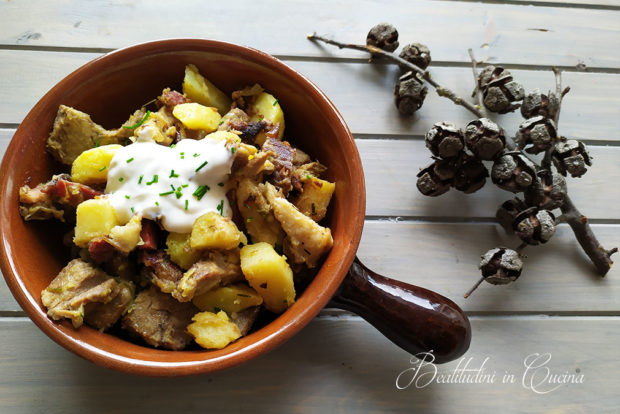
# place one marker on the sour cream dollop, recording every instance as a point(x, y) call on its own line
point(175, 185)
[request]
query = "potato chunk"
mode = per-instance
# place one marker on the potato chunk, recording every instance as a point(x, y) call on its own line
point(213, 231)
point(199, 89)
point(267, 108)
point(315, 198)
point(213, 331)
point(94, 218)
point(91, 166)
point(269, 274)
point(180, 250)
point(231, 299)
point(196, 116)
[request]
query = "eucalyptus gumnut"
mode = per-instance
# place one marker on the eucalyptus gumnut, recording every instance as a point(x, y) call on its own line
point(537, 134)
point(499, 91)
point(409, 93)
point(484, 138)
point(500, 266)
point(548, 191)
point(534, 226)
point(470, 174)
point(445, 140)
point(537, 103)
point(508, 212)
point(571, 156)
point(513, 172)
point(415, 53)
point(435, 179)
point(384, 36)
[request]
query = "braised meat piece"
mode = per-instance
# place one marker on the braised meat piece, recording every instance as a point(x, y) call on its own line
point(51, 199)
point(104, 315)
point(282, 159)
point(245, 319)
point(159, 319)
point(170, 98)
point(74, 132)
point(77, 285)
point(160, 270)
point(207, 274)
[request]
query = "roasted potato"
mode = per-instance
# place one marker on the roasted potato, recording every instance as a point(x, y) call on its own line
point(213, 231)
point(315, 198)
point(180, 250)
point(94, 218)
point(199, 89)
point(213, 331)
point(269, 274)
point(266, 107)
point(91, 166)
point(231, 299)
point(195, 116)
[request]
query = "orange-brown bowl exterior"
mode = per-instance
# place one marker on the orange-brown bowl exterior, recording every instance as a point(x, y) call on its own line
point(110, 88)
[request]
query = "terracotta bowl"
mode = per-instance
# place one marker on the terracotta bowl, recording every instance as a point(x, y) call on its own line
point(111, 87)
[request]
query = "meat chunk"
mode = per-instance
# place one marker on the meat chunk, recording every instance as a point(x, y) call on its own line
point(245, 319)
point(258, 218)
point(207, 274)
point(170, 98)
point(50, 199)
point(306, 241)
point(159, 319)
point(160, 270)
point(78, 284)
point(74, 132)
point(282, 159)
point(103, 315)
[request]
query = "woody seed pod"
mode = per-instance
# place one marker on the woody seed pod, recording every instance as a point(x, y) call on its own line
point(409, 93)
point(444, 140)
point(508, 212)
point(470, 174)
point(537, 134)
point(416, 53)
point(548, 191)
point(537, 103)
point(484, 138)
point(513, 172)
point(435, 179)
point(384, 36)
point(571, 156)
point(535, 226)
point(499, 91)
point(500, 266)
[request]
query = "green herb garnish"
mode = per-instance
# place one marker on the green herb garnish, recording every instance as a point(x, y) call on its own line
point(186, 204)
point(220, 184)
point(140, 180)
point(196, 155)
point(166, 193)
point(232, 150)
point(127, 196)
point(275, 102)
point(121, 179)
point(148, 113)
point(102, 168)
point(154, 180)
point(201, 191)
point(201, 165)
point(173, 174)
point(220, 207)
point(129, 160)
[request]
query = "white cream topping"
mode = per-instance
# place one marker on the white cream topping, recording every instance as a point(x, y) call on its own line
point(165, 183)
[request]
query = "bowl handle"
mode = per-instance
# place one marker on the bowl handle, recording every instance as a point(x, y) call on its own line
point(416, 319)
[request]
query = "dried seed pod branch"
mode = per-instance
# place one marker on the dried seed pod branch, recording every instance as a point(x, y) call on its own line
point(441, 90)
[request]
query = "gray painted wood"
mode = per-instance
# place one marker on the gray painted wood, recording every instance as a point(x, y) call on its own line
point(498, 32)
point(362, 93)
point(334, 365)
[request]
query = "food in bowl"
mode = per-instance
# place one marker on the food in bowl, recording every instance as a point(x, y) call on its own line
point(188, 222)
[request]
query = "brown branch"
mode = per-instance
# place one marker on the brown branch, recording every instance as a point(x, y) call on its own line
point(441, 90)
point(477, 92)
point(586, 238)
point(560, 93)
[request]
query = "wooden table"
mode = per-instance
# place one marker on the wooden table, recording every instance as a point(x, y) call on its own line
point(339, 363)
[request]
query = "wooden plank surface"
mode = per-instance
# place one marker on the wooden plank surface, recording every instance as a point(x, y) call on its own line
point(362, 93)
point(329, 368)
point(498, 32)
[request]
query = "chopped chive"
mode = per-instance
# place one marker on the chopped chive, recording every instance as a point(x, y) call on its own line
point(102, 168)
point(200, 191)
point(178, 194)
point(173, 189)
point(308, 176)
point(148, 113)
point(220, 207)
point(127, 196)
point(201, 165)
point(140, 180)
point(121, 179)
point(232, 150)
point(154, 180)
point(250, 219)
point(173, 145)
point(173, 174)
point(275, 102)
point(157, 203)
point(166, 193)
point(185, 186)
point(182, 155)
point(132, 210)
point(221, 122)
point(96, 143)
point(220, 184)
point(129, 160)
point(186, 204)
point(196, 155)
